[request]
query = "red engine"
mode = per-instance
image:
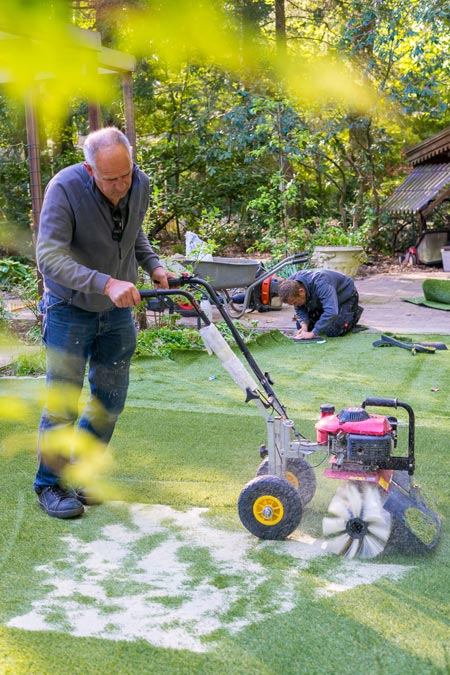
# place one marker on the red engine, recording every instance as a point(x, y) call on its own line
point(356, 439)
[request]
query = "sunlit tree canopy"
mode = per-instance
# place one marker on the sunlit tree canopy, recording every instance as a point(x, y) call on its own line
point(257, 120)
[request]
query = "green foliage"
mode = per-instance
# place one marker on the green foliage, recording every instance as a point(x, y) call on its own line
point(163, 341)
point(14, 272)
point(28, 363)
point(28, 292)
point(332, 233)
point(5, 315)
point(14, 172)
point(20, 278)
point(248, 333)
point(34, 334)
point(5, 322)
point(239, 140)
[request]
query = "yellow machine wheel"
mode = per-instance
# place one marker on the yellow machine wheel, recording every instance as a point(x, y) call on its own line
point(268, 510)
point(270, 507)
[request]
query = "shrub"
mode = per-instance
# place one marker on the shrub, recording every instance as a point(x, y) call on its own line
point(162, 342)
point(27, 363)
point(14, 272)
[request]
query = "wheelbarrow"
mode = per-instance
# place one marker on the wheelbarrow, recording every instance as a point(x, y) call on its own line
point(376, 491)
point(243, 284)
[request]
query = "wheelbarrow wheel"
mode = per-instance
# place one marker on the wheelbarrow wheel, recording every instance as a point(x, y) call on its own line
point(357, 525)
point(270, 507)
point(299, 473)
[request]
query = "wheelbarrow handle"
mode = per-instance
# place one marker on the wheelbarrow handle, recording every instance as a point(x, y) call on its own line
point(165, 292)
point(297, 259)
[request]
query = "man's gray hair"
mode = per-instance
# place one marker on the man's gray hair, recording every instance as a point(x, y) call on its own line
point(103, 138)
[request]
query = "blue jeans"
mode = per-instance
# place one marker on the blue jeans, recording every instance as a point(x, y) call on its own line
point(73, 338)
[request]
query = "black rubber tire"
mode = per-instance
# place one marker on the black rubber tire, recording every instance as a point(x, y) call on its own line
point(303, 472)
point(278, 491)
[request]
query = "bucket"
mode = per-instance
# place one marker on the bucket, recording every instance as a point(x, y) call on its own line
point(445, 253)
point(346, 259)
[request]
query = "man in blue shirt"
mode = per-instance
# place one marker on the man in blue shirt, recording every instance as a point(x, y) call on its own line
point(325, 301)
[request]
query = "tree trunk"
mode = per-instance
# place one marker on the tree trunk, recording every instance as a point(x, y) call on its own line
point(280, 28)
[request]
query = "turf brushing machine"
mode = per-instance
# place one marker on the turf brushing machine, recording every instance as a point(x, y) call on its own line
point(377, 502)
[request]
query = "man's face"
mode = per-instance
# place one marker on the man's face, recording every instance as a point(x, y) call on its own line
point(112, 172)
point(298, 299)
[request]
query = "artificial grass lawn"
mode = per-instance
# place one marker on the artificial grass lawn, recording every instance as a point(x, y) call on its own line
point(185, 441)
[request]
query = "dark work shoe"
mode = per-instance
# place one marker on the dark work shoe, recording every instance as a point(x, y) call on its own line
point(60, 503)
point(86, 496)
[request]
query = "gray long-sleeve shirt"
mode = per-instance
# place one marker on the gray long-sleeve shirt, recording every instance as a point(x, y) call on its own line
point(326, 291)
point(76, 253)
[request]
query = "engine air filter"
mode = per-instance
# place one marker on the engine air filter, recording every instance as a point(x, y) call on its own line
point(353, 415)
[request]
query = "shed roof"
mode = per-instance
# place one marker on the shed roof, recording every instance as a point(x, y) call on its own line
point(425, 187)
point(435, 148)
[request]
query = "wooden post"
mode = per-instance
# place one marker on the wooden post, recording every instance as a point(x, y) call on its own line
point(95, 116)
point(127, 89)
point(34, 161)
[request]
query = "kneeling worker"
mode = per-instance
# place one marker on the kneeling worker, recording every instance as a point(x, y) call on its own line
point(325, 301)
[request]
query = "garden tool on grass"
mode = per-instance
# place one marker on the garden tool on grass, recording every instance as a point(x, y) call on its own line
point(413, 347)
point(377, 502)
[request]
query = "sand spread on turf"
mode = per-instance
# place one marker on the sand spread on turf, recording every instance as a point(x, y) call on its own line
point(171, 578)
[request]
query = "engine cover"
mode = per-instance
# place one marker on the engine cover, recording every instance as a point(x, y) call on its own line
point(269, 292)
point(354, 421)
point(356, 438)
point(369, 450)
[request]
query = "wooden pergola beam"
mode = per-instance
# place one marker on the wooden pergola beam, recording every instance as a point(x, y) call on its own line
point(108, 62)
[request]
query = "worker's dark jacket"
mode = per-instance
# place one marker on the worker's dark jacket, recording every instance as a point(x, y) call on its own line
point(76, 252)
point(326, 292)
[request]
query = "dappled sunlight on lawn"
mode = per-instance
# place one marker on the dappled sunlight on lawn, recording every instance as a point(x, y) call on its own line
point(413, 616)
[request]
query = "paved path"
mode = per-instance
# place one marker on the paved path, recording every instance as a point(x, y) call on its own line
point(385, 310)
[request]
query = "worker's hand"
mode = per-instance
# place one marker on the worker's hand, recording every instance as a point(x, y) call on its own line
point(122, 293)
point(302, 331)
point(160, 277)
point(304, 335)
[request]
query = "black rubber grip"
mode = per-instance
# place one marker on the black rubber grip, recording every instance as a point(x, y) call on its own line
point(386, 402)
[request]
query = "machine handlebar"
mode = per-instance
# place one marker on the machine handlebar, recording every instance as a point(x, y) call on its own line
point(395, 403)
